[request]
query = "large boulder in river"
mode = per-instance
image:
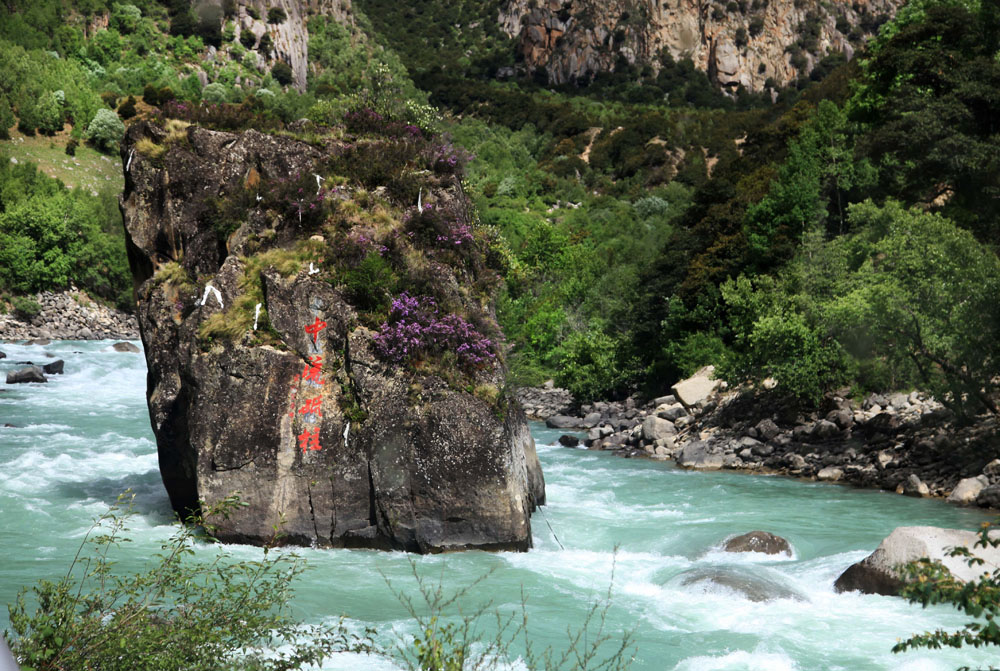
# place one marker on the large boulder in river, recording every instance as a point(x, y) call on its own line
point(125, 347)
point(26, 374)
point(54, 368)
point(273, 370)
point(758, 541)
point(879, 572)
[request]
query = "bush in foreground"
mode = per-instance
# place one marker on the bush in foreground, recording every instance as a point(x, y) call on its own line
point(180, 613)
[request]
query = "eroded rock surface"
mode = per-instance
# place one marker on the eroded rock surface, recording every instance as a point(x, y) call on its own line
point(265, 380)
point(737, 43)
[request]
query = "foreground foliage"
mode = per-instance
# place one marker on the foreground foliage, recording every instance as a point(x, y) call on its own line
point(178, 613)
point(931, 583)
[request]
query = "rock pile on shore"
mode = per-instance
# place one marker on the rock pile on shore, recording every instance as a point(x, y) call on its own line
point(908, 443)
point(70, 315)
point(544, 402)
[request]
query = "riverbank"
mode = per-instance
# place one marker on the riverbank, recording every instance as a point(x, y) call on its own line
point(69, 315)
point(907, 443)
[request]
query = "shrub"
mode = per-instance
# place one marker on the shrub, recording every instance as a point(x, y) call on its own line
point(253, 13)
point(127, 108)
point(71, 146)
point(6, 118)
point(415, 328)
point(181, 613)
point(282, 73)
point(247, 38)
point(589, 365)
point(150, 95)
point(276, 15)
point(125, 18)
point(214, 93)
point(25, 306)
point(264, 46)
point(106, 130)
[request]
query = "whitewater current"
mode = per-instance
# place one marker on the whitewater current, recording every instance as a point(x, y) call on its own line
point(644, 535)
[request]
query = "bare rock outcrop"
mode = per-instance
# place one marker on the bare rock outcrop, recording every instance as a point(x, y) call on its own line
point(737, 43)
point(265, 376)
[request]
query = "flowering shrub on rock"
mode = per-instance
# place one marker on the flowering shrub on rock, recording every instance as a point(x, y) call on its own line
point(415, 327)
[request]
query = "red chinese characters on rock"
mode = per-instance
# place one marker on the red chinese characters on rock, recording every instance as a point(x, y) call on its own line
point(314, 328)
point(312, 371)
point(309, 440)
point(311, 412)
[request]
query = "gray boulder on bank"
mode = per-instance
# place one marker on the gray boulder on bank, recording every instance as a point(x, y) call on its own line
point(562, 422)
point(26, 374)
point(968, 489)
point(697, 455)
point(879, 573)
point(697, 388)
point(758, 541)
point(989, 497)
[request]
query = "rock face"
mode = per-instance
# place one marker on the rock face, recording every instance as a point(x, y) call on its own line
point(264, 379)
point(290, 38)
point(737, 44)
point(878, 572)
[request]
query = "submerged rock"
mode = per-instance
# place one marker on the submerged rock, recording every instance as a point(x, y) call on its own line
point(265, 377)
point(879, 572)
point(751, 585)
point(758, 541)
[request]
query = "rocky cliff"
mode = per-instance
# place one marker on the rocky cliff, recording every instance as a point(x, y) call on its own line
point(740, 42)
point(289, 38)
point(322, 345)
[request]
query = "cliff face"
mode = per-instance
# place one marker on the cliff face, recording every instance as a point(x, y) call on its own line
point(744, 42)
point(290, 38)
point(263, 376)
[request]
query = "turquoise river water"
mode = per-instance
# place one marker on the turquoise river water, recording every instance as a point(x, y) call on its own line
point(84, 437)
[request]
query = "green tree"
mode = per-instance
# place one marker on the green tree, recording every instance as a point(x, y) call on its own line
point(282, 73)
point(214, 93)
point(923, 294)
point(276, 15)
point(106, 130)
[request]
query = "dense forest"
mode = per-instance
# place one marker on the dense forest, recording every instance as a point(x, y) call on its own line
point(839, 232)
